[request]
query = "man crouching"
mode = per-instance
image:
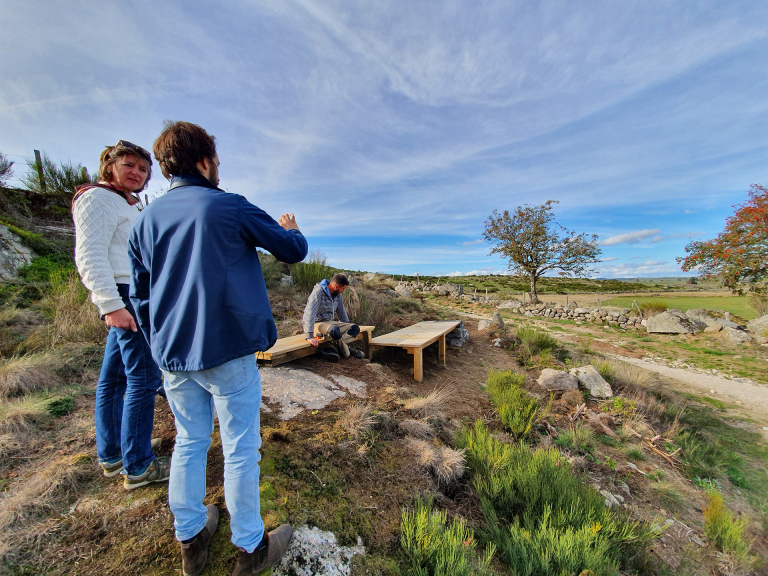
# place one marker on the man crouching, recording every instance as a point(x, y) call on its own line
point(323, 305)
point(199, 293)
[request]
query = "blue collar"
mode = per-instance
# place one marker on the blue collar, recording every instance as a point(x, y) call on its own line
point(191, 180)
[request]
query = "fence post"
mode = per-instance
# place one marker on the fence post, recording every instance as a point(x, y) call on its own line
point(39, 163)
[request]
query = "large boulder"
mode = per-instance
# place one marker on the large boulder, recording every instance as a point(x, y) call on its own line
point(454, 290)
point(702, 315)
point(483, 325)
point(497, 320)
point(591, 379)
point(403, 292)
point(759, 325)
point(737, 336)
point(368, 276)
point(557, 381)
point(510, 304)
point(458, 336)
point(673, 322)
point(759, 329)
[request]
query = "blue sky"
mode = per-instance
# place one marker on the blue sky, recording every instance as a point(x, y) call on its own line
point(393, 129)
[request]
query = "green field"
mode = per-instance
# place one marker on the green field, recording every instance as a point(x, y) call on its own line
point(734, 304)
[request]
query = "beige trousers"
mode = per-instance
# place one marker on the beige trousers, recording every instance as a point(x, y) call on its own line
point(321, 328)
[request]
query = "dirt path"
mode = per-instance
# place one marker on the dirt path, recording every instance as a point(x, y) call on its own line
point(752, 398)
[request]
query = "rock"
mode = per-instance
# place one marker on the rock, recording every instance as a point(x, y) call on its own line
point(716, 327)
point(759, 325)
point(610, 499)
point(497, 320)
point(369, 276)
point(673, 322)
point(623, 487)
point(580, 311)
point(557, 380)
point(314, 551)
point(13, 254)
point(702, 315)
point(737, 336)
point(484, 325)
point(497, 342)
point(454, 290)
point(287, 280)
point(698, 541)
point(458, 337)
point(403, 292)
point(510, 304)
point(590, 378)
point(729, 324)
point(467, 297)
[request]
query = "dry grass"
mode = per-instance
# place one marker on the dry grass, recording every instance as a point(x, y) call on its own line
point(417, 429)
point(21, 415)
point(630, 376)
point(25, 374)
point(15, 326)
point(75, 318)
point(446, 464)
point(668, 496)
point(431, 405)
point(41, 491)
point(357, 419)
point(573, 398)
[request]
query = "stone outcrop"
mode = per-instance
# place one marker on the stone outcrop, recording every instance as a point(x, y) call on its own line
point(737, 336)
point(557, 380)
point(13, 254)
point(703, 316)
point(402, 291)
point(591, 379)
point(674, 322)
point(497, 320)
point(483, 325)
point(458, 336)
point(510, 304)
point(759, 325)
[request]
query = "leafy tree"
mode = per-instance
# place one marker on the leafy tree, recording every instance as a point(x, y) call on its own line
point(6, 169)
point(58, 179)
point(535, 243)
point(739, 254)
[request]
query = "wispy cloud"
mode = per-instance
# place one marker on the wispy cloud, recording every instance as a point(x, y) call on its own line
point(629, 237)
point(473, 242)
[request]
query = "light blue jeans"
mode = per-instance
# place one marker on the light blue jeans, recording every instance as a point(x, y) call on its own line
point(235, 389)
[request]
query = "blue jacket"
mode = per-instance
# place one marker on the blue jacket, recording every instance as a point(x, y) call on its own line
point(196, 283)
point(322, 307)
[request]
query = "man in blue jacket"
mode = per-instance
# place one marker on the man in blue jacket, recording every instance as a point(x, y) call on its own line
point(201, 302)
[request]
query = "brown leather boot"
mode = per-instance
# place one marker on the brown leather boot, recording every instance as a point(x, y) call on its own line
point(195, 554)
point(264, 558)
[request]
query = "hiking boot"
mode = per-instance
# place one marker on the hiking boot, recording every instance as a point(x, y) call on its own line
point(329, 354)
point(158, 471)
point(264, 558)
point(114, 468)
point(359, 354)
point(194, 555)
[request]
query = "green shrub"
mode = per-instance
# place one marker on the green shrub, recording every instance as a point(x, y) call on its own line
point(307, 274)
point(539, 513)
point(534, 341)
point(518, 410)
point(432, 547)
point(651, 308)
point(41, 268)
point(61, 406)
point(271, 269)
point(579, 438)
point(36, 242)
point(725, 532)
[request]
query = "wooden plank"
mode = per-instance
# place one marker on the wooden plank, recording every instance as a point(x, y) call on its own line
point(441, 349)
point(421, 334)
point(293, 347)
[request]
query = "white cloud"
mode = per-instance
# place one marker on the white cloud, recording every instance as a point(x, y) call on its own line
point(609, 259)
point(473, 242)
point(629, 237)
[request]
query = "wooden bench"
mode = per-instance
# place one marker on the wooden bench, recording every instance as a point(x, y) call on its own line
point(293, 347)
point(414, 339)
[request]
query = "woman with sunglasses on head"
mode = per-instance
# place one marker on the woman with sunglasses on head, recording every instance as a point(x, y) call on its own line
point(125, 395)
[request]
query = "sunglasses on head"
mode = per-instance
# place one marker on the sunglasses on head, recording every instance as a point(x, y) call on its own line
point(125, 145)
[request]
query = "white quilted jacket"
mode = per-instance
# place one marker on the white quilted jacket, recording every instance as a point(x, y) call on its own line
point(103, 221)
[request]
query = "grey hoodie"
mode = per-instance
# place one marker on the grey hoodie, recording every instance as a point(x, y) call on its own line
point(321, 307)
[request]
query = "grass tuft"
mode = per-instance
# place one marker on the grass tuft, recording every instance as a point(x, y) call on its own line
point(24, 374)
point(357, 419)
point(417, 429)
point(579, 439)
point(445, 463)
point(668, 496)
point(431, 405)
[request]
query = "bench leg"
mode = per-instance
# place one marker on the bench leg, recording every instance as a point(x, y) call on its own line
point(367, 348)
point(418, 365)
point(441, 349)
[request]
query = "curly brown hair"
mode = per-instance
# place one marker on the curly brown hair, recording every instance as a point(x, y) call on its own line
point(112, 154)
point(180, 146)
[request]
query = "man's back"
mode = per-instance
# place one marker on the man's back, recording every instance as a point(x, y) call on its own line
point(194, 250)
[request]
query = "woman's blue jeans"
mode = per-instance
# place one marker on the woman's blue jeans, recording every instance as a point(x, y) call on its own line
point(234, 388)
point(125, 397)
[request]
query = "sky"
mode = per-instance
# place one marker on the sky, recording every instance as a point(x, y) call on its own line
point(394, 129)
